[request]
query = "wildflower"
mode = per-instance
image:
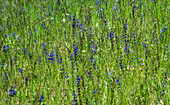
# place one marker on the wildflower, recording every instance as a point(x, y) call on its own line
point(42, 96)
point(5, 48)
point(44, 47)
point(5, 35)
point(12, 92)
point(44, 44)
point(20, 70)
point(26, 79)
point(95, 91)
point(88, 72)
point(51, 56)
point(51, 18)
point(60, 60)
point(40, 100)
point(165, 29)
point(125, 48)
point(161, 102)
point(75, 96)
point(64, 20)
point(117, 81)
point(143, 44)
point(84, 51)
point(78, 80)
point(141, 15)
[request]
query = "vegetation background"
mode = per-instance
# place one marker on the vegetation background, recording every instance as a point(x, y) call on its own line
point(85, 52)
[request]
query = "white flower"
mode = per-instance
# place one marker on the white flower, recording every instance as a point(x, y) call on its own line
point(161, 102)
point(83, 51)
point(96, 24)
point(51, 18)
point(64, 20)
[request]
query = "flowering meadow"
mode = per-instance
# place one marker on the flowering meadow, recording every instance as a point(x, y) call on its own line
point(84, 52)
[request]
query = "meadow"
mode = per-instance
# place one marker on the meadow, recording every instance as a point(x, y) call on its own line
point(84, 52)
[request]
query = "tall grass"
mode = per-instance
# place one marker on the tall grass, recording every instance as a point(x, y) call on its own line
point(84, 52)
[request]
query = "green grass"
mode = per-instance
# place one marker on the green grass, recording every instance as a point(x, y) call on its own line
point(105, 52)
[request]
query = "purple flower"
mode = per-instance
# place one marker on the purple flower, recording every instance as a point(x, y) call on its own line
point(125, 48)
point(42, 96)
point(141, 15)
point(88, 72)
point(73, 25)
point(165, 29)
point(117, 81)
point(40, 100)
point(12, 92)
point(5, 35)
point(26, 83)
point(161, 30)
point(44, 44)
point(26, 79)
point(20, 70)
